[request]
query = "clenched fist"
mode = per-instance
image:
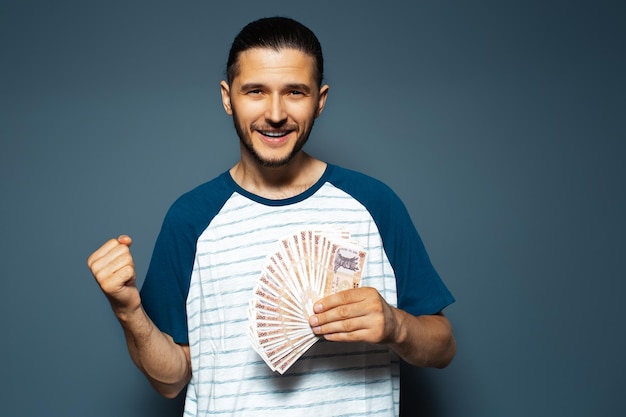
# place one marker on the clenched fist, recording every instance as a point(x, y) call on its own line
point(113, 267)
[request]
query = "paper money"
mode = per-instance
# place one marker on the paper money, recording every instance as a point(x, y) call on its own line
point(306, 266)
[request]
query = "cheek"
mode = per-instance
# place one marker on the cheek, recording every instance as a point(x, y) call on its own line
point(304, 114)
point(244, 118)
point(247, 109)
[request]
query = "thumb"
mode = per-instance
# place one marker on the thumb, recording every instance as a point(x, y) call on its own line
point(125, 240)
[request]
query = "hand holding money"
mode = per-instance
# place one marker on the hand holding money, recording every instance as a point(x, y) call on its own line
point(354, 315)
point(308, 265)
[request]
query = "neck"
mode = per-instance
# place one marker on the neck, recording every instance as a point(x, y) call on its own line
point(281, 182)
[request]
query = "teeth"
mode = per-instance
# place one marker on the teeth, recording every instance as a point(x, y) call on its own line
point(274, 134)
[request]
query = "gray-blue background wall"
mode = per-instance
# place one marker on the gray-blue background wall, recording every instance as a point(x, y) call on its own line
point(501, 124)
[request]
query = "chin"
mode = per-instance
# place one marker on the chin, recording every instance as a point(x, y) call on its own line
point(274, 163)
point(271, 160)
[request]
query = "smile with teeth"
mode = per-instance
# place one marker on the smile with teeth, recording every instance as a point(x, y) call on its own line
point(274, 134)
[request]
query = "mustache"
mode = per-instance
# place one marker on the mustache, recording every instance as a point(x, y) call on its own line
point(279, 127)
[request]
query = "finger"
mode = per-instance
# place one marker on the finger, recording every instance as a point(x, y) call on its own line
point(346, 318)
point(116, 271)
point(364, 328)
point(356, 336)
point(350, 296)
point(107, 247)
point(116, 258)
point(111, 283)
point(125, 240)
point(102, 251)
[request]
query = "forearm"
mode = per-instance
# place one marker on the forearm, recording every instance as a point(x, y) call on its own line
point(164, 362)
point(424, 341)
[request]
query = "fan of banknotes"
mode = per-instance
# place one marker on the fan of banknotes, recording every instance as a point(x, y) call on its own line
point(306, 266)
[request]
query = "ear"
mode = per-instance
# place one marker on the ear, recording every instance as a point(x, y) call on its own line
point(322, 100)
point(225, 89)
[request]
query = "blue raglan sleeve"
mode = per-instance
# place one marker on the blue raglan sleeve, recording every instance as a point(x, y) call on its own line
point(165, 289)
point(420, 289)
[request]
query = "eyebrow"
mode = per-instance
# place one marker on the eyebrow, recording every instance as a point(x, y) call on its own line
point(298, 86)
point(292, 86)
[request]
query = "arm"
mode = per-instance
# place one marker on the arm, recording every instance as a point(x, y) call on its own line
point(166, 364)
point(362, 314)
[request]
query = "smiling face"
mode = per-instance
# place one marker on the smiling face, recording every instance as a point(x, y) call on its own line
point(274, 99)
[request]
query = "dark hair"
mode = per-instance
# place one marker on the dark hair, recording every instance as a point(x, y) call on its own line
point(275, 33)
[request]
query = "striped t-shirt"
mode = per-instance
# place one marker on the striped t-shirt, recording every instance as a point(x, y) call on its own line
point(208, 257)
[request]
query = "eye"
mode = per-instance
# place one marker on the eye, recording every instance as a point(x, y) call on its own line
point(254, 92)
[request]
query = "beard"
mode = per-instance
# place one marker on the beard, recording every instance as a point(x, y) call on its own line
point(246, 141)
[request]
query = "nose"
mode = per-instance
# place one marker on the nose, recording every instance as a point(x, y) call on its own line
point(275, 112)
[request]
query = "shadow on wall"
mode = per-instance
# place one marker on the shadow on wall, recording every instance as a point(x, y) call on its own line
point(158, 406)
point(417, 396)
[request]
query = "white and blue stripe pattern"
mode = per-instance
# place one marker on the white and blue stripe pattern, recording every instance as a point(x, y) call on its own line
point(229, 378)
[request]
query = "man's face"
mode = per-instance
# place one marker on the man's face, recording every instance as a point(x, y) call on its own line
point(274, 100)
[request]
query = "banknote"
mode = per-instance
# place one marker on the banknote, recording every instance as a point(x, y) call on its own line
point(306, 266)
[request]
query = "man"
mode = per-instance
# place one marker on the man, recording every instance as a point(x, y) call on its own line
point(188, 326)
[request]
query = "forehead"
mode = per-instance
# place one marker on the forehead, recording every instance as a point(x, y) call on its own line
point(258, 63)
